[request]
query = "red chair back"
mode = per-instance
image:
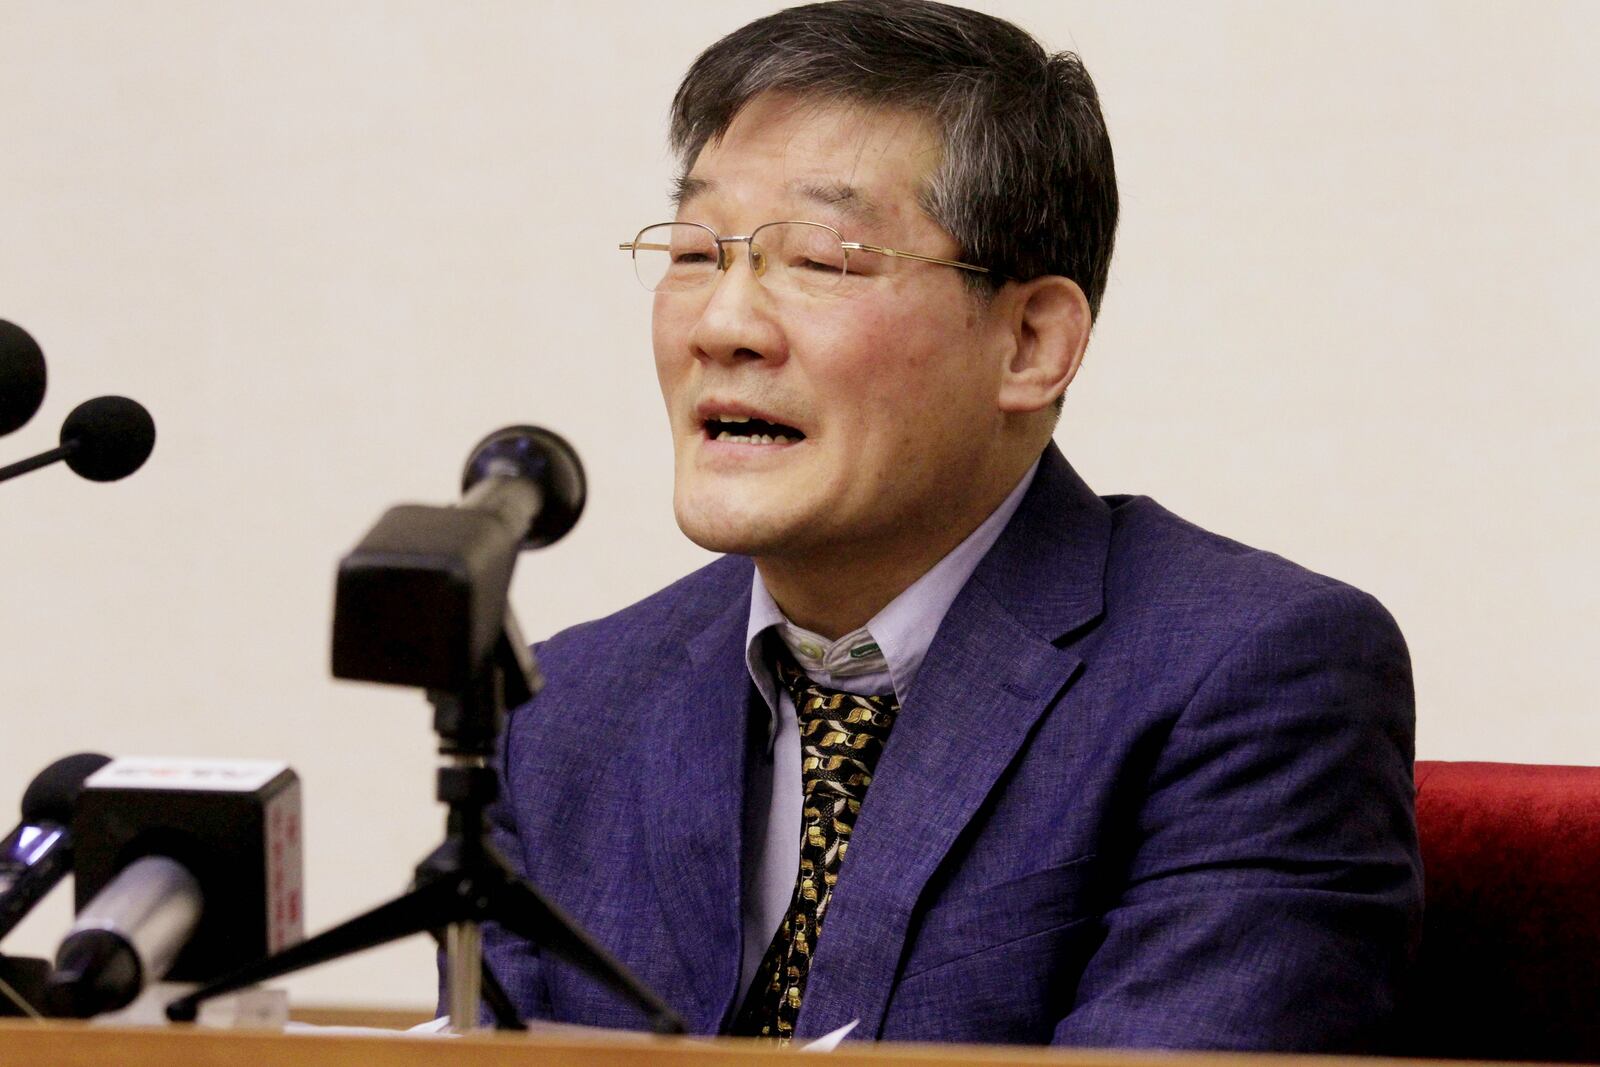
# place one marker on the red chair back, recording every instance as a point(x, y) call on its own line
point(1510, 961)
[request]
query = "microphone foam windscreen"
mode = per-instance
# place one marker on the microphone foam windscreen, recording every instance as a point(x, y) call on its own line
point(544, 458)
point(53, 793)
point(113, 435)
point(22, 377)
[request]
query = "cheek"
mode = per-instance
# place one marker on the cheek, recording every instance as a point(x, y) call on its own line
point(888, 388)
point(923, 360)
point(668, 341)
point(877, 349)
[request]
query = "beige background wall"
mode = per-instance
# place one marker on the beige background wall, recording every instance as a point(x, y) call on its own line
point(330, 245)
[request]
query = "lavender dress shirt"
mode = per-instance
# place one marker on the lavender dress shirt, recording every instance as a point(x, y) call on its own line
point(884, 654)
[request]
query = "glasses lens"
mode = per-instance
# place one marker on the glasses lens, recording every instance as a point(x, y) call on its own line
point(807, 257)
point(675, 256)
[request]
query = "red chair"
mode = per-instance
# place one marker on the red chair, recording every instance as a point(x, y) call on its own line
point(1510, 961)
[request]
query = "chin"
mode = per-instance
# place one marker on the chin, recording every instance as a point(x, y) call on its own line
point(720, 526)
point(717, 535)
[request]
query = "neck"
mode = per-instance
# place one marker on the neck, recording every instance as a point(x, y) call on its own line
point(839, 589)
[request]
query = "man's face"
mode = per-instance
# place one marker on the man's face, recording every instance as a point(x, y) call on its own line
point(891, 379)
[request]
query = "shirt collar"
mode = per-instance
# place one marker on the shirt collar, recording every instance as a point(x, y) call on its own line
point(894, 642)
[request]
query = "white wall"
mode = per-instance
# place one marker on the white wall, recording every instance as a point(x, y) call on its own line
point(331, 245)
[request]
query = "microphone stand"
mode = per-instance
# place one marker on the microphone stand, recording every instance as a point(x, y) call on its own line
point(463, 883)
point(422, 601)
point(33, 463)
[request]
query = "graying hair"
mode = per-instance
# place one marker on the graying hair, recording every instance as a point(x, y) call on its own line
point(1026, 184)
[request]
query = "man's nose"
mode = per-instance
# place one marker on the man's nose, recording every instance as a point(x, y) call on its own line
point(739, 320)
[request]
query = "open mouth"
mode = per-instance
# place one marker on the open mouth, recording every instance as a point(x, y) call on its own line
point(744, 430)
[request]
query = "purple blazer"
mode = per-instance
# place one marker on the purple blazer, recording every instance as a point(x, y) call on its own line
point(1152, 788)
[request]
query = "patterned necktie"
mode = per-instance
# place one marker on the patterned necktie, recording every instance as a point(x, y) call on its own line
point(841, 737)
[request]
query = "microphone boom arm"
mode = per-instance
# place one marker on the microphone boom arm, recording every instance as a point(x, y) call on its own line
point(33, 463)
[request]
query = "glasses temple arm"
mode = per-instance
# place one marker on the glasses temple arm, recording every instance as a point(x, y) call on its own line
point(895, 252)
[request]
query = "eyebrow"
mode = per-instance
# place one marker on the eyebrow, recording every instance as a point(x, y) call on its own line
point(686, 188)
point(841, 196)
point(845, 198)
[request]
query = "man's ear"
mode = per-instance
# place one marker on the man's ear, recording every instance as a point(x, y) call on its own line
point(1050, 323)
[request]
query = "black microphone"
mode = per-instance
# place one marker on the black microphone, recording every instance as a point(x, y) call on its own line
point(530, 478)
point(38, 853)
point(102, 440)
point(22, 377)
point(421, 601)
point(186, 870)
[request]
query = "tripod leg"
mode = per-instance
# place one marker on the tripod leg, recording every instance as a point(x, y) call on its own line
point(416, 912)
point(523, 910)
point(500, 1006)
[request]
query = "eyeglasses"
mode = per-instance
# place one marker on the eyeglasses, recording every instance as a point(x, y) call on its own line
point(805, 257)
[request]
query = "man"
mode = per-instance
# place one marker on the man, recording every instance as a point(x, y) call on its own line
point(946, 747)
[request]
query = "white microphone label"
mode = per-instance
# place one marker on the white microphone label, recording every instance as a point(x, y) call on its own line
point(198, 775)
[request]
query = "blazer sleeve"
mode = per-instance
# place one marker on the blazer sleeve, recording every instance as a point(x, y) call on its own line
point(1273, 890)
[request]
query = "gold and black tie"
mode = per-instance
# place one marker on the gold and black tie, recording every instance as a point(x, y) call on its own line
point(841, 737)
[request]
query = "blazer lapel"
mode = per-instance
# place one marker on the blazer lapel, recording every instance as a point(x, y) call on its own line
point(993, 669)
point(692, 788)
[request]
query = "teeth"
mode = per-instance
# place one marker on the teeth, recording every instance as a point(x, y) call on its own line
point(752, 439)
point(731, 418)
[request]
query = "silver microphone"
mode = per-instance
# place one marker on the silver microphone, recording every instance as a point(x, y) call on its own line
point(126, 937)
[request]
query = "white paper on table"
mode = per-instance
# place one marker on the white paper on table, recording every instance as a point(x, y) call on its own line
point(440, 1027)
point(830, 1041)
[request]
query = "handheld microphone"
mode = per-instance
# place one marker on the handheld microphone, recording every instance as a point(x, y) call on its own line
point(38, 853)
point(102, 440)
point(22, 377)
point(186, 870)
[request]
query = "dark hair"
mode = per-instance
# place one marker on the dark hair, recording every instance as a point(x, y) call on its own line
point(1026, 185)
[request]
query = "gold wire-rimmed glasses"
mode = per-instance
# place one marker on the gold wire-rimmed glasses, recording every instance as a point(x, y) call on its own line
point(806, 257)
